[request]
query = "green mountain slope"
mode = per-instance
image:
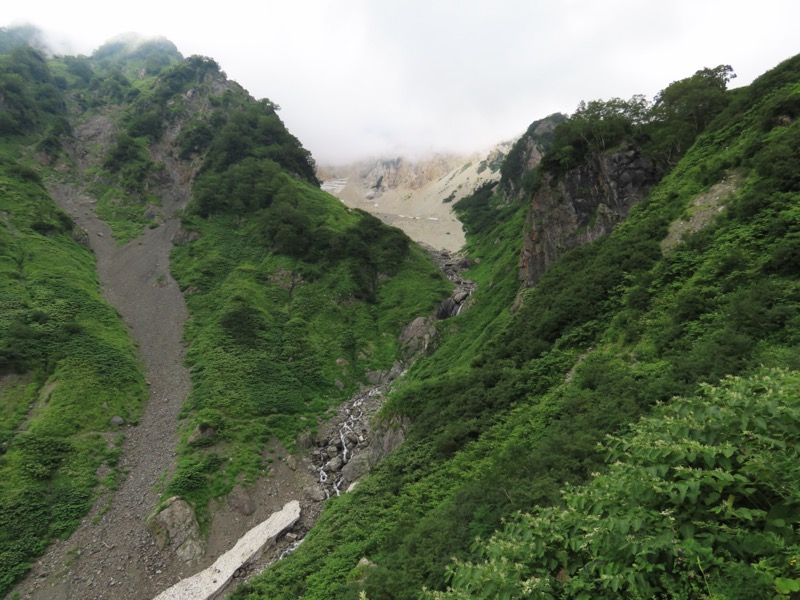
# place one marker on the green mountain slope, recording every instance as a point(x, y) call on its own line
point(292, 297)
point(67, 365)
point(699, 282)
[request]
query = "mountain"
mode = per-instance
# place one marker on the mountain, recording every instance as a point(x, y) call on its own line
point(596, 398)
point(638, 283)
point(181, 303)
point(416, 195)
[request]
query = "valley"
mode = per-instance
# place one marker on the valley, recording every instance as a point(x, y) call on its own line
point(566, 367)
point(416, 196)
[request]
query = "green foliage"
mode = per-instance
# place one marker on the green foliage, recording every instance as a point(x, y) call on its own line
point(509, 409)
point(595, 126)
point(80, 67)
point(194, 139)
point(133, 53)
point(130, 160)
point(257, 132)
point(288, 295)
point(66, 367)
point(478, 211)
point(684, 109)
point(111, 87)
point(664, 129)
point(30, 96)
point(699, 501)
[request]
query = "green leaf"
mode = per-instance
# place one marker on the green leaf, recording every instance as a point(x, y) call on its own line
point(787, 586)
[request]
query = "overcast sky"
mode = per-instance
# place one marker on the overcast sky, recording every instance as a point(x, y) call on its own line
point(359, 78)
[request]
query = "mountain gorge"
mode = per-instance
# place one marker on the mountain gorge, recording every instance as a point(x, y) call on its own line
point(191, 325)
point(416, 195)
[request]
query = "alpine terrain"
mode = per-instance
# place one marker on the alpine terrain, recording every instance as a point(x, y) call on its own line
point(568, 367)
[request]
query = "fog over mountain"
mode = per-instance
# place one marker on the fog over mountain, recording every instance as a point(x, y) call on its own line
point(358, 78)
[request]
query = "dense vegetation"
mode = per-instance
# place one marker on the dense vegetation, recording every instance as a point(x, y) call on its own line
point(510, 408)
point(676, 354)
point(292, 301)
point(700, 500)
point(293, 297)
point(67, 367)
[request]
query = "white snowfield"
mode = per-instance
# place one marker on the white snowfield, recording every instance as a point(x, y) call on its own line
point(206, 584)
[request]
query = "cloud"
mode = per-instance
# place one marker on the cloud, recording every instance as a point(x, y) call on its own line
point(361, 77)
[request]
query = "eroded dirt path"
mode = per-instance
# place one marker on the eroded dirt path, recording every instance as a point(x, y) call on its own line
point(111, 556)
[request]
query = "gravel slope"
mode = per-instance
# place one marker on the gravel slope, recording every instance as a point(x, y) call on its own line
point(111, 555)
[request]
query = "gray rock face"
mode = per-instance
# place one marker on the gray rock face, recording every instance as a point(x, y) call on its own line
point(332, 450)
point(585, 204)
point(356, 468)
point(387, 438)
point(176, 527)
point(183, 236)
point(416, 336)
point(335, 464)
point(305, 439)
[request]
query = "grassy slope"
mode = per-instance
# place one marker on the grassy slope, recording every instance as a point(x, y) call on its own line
point(613, 328)
point(271, 335)
point(68, 366)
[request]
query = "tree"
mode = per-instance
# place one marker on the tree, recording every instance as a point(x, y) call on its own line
point(685, 108)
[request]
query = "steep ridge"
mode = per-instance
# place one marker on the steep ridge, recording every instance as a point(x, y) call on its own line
point(582, 206)
point(329, 291)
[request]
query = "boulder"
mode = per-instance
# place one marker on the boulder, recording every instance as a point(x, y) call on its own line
point(335, 464)
point(315, 493)
point(375, 377)
point(460, 295)
point(176, 527)
point(305, 439)
point(241, 502)
point(200, 432)
point(416, 336)
point(386, 438)
point(356, 468)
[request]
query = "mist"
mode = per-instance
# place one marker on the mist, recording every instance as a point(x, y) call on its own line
point(357, 79)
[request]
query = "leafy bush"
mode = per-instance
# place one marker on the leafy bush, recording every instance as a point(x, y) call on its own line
point(698, 501)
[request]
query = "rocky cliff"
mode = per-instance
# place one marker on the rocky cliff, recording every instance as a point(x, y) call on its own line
point(416, 195)
point(526, 154)
point(582, 206)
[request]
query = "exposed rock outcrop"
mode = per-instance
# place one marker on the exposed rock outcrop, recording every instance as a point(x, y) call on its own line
point(176, 527)
point(582, 206)
point(416, 195)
